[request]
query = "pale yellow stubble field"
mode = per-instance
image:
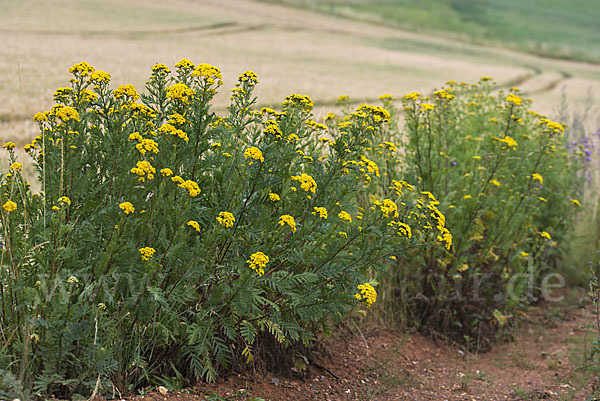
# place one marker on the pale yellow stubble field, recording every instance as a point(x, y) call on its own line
point(292, 51)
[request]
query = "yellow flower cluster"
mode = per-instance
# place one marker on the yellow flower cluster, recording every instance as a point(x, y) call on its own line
point(82, 69)
point(9, 206)
point(127, 207)
point(168, 129)
point(9, 145)
point(371, 165)
point(16, 166)
point(514, 99)
point(443, 94)
point(274, 197)
point(552, 126)
point(146, 252)
point(180, 92)
point(226, 219)
point(161, 69)
point(144, 170)
point(166, 172)
point(210, 73)
point(62, 94)
point(194, 224)
point(64, 200)
point(127, 92)
point(403, 229)
point(248, 77)
point(397, 186)
point(388, 207)
point(427, 106)
point(378, 113)
point(289, 220)
point(271, 128)
point(184, 64)
point(538, 177)
point(510, 142)
point(176, 119)
point(253, 153)
point(367, 294)
point(412, 96)
point(544, 234)
point(307, 183)
point(147, 145)
point(191, 186)
point(258, 261)
point(301, 102)
point(389, 146)
point(100, 77)
point(321, 211)
point(64, 113)
point(345, 216)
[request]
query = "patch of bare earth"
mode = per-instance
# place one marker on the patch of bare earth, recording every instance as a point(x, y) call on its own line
point(541, 362)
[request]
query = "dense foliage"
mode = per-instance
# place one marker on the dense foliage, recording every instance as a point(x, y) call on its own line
point(170, 242)
point(508, 187)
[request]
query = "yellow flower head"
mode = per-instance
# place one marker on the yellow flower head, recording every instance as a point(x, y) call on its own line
point(146, 253)
point(248, 77)
point(127, 207)
point(9, 206)
point(514, 99)
point(544, 234)
point(274, 197)
point(65, 113)
point(302, 102)
point(194, 224)
point(427, 106)
point(412, 96)
point(166, 172)
point(253, 153)
point(538, 177)
point(388, 207)
point(307, 183)
point(366, 294)
point(321, 211)
point(127, 92)
point(16, 166)
point(184, 64)
point(83, 69)
point(289, 220)
point(180, 92)
point(100, 77)
point(257, 262)
point(65, 200)
point(191, 186)
point(575, 202)
point(212, 75)
point(345, 216)
point(226, 219)
point(160, 69)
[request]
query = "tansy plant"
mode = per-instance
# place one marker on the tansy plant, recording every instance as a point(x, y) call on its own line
point(170, 241)
point(507, 187)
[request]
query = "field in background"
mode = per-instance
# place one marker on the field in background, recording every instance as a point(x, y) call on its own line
point(292, 50)
point(549, 28)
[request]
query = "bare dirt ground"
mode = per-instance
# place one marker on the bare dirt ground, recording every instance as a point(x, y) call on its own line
point(545, 360)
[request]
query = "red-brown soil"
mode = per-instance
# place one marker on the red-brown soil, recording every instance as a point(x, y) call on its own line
point(544, 361)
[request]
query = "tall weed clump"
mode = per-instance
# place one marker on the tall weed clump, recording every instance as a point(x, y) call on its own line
point(508, 188)
point(170, 244)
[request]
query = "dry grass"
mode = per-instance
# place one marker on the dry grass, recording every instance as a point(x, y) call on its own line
point(290, 50)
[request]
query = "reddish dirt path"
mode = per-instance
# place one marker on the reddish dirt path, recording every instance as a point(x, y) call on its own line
point(543, 362)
